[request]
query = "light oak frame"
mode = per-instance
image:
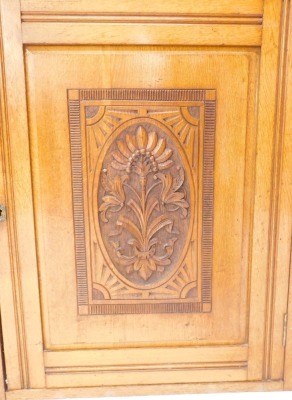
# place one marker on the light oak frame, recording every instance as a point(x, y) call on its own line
point(285, 224)
point(273, 174)
point(2, 372)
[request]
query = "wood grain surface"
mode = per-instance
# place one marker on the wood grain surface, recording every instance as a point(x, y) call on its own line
point(146, 171)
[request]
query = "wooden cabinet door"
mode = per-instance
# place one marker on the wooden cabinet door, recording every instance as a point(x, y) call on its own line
point(142, 153)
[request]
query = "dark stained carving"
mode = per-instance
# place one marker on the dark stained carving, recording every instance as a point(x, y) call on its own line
point(151, 197)
point(142, 172)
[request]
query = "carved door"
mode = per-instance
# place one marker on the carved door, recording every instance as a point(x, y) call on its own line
point(135, 190)
point(143, 242)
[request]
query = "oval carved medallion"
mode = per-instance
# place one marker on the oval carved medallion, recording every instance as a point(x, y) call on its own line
point(144, 204)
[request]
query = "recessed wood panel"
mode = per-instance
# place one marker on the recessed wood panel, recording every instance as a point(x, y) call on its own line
point(147, 68)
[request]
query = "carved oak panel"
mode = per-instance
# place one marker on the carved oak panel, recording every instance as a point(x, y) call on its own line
point(142, 176)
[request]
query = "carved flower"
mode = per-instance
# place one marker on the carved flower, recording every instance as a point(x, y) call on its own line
point(142, 153)
point(170, 197)
point(115, 198)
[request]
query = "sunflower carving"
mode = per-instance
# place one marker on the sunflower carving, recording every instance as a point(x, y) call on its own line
point(141, 162)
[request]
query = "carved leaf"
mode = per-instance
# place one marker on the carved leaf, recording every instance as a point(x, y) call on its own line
point(165, 165)
point(150, 206)
point(130, 140)
point(141, 137)
point(116, 197)
point(118, 188)
point(131, 227)
point(160, 147)
point(110, 200)
point(170, 195)
point(123, 149)
point(143, 268)
point(164, 156)
point(152, 141)
point(119, 158)
point(179, 180)
point(137, 210)
point(158, 223)
point(118, 166)
point(164, 260)
point(166, 185)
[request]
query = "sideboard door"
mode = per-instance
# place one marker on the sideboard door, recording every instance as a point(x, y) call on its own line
point(142, 160)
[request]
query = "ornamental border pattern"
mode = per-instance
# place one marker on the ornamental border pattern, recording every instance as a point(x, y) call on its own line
point(75, 97)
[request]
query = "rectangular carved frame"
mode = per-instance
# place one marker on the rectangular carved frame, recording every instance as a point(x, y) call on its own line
point(77, 98)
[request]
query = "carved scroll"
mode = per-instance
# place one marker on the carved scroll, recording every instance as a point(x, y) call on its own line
point(142, 173)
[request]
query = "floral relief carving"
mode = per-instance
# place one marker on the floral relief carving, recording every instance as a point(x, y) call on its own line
point(148, 199)
point(143, 194)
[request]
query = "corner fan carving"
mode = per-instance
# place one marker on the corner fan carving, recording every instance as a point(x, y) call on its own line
point(142, 201)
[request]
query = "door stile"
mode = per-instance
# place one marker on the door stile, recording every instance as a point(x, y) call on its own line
point(3, 382)
point(288, 333)
point(8, 294)
point(261, 270)
point(286, 247)
point(280, 227)
point(25, 352)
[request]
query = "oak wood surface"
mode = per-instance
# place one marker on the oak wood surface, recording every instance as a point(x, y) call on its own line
point(144, 390)
point(281, 218)
point(262, 233)
point(6, 292)
point(165, 18)
point(55, 333)
point(285, 232)
point(19, 271)
point(113, 357)
point(2, 384)
point(246, 7)
point(239, 51)
point(147, 34)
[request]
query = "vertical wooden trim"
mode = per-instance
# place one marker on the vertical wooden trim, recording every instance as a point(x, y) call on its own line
point(22, 275)
point(77, 183)
point(14, 346)
point(2, 370)
point(287, 203)
point(281, 224)
point(288, 352)
point(2, 384)
point(208, 198)
point(260, 274)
